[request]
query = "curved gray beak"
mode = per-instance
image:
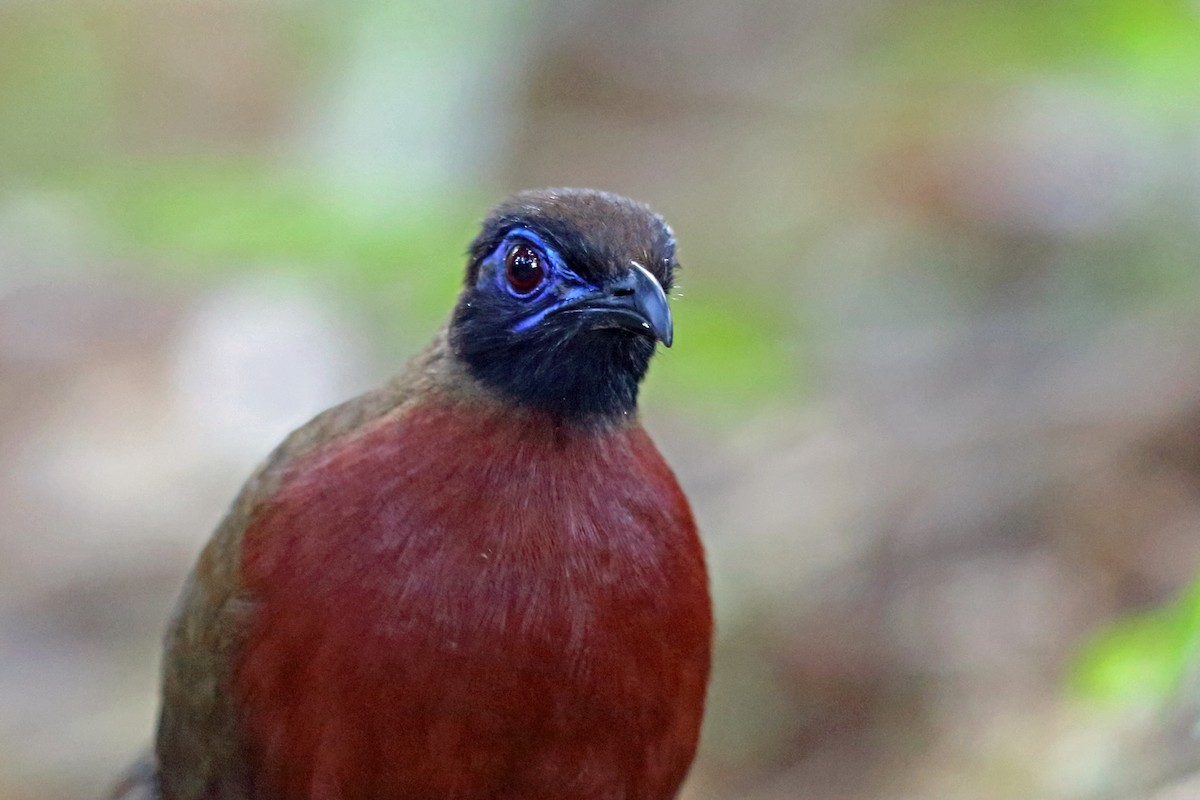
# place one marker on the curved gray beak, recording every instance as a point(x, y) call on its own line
point(635, 302)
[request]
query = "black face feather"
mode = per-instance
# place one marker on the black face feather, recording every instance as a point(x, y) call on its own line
point(565, 299)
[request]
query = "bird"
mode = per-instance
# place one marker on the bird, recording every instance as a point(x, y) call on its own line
point(481, 581)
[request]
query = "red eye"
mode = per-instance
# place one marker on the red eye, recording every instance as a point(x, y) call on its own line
point(524, 269)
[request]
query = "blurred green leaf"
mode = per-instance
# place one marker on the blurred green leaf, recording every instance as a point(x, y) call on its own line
point(55, 98)
point(1142, 660)
point(1149, 45)
point(212, 218)
point(730, 357)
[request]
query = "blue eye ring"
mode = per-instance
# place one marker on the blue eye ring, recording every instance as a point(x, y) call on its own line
point(525, 268)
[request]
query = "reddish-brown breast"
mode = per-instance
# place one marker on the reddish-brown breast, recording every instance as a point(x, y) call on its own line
point(479, 605)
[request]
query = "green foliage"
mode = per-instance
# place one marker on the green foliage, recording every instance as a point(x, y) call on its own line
point(1141, 661)
point(54, 93)
point(730, 357)
point(1149, 46)
point(203, 220)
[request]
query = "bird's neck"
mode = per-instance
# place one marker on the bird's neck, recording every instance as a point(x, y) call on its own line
point(445, 377)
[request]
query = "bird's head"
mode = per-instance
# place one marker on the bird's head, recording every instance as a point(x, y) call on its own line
point(565, 300)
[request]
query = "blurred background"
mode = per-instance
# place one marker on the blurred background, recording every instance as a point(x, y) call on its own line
point(935, 392)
